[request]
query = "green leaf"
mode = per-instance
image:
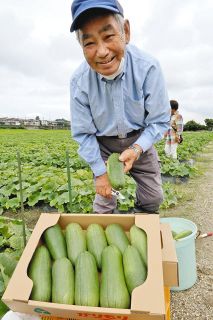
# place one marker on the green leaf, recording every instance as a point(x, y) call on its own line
point(16, 243)
point(4, 231)
point(61, 208)
point(15, 227)
point(76, 182)
point(2, 285)
point(3, 309)
point(64, 187)
point(3, 242)
point(33, 199)
point(85, 192)
point(6, 190)
point(12, 203)
point(5, 277)
point(63, 198)
point(8, 263)
point(49, 187)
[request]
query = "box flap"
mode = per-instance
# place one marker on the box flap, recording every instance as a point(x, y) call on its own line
point(143, 295)
point(169, 256)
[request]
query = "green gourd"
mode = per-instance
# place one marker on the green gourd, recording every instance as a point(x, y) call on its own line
point(115, 171)
point(63, 281)
point(116, 236)
point(134, 269)
point(55, 242)
point(96, 241)
point(75, 240)
point(138, 239)
point(182, 234)
point(40, 273)
point(113, 289)
point(86, 281)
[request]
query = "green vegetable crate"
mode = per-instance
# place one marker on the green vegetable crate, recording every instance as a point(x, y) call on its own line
point(73, 266)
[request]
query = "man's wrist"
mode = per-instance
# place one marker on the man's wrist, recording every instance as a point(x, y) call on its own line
point(101, 175)
point(137, 149)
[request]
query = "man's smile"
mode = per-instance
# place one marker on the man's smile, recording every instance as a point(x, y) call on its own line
point(106, 62)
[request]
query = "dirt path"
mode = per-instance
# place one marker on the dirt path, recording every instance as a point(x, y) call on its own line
point(197, 302)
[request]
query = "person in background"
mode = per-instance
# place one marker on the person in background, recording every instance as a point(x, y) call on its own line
point(119, 104)
point(174, 134)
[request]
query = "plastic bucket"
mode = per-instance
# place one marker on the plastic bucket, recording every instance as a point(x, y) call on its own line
point(185, 249)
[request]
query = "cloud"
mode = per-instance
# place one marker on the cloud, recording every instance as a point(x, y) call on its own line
point(179, 35)
point(35, 69)
point(38, 54)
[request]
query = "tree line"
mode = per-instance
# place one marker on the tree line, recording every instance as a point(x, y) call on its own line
point(194, 126)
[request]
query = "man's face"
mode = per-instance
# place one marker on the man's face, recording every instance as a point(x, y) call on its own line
point(104, 43)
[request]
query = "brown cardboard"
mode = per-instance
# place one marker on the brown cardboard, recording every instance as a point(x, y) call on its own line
point(147, 300)
point(169, 257)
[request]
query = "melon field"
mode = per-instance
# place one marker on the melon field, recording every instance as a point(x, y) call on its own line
point(44, 166)
point(40, 163)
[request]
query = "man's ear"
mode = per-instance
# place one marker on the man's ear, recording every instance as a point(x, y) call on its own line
point(127, 31)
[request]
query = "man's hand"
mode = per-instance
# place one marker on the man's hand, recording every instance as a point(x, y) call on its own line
point(103, 186)
point(129, 156)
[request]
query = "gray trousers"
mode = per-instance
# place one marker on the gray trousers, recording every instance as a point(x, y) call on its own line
point(145, 172)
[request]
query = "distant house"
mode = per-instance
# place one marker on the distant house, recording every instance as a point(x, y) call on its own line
point(31, 123)
point(10, 122)
point(63, 123)
point(60, 124)
point(44, 122)
point(34, 123)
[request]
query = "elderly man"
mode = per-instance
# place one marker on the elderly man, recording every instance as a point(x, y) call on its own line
point(119, 104)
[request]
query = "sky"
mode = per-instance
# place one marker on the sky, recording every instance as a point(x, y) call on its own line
point(38, 54)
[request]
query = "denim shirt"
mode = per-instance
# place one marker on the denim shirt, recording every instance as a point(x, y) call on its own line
point(135, 99)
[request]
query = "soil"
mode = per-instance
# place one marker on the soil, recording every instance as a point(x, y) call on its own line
point(196, 205)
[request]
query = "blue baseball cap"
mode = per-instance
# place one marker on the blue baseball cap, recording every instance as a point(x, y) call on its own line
point(80, 6)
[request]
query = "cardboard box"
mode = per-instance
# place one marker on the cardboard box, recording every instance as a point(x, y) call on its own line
point(169, 257)
point(147, 301)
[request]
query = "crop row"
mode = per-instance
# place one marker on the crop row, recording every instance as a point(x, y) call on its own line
point(44, 172)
